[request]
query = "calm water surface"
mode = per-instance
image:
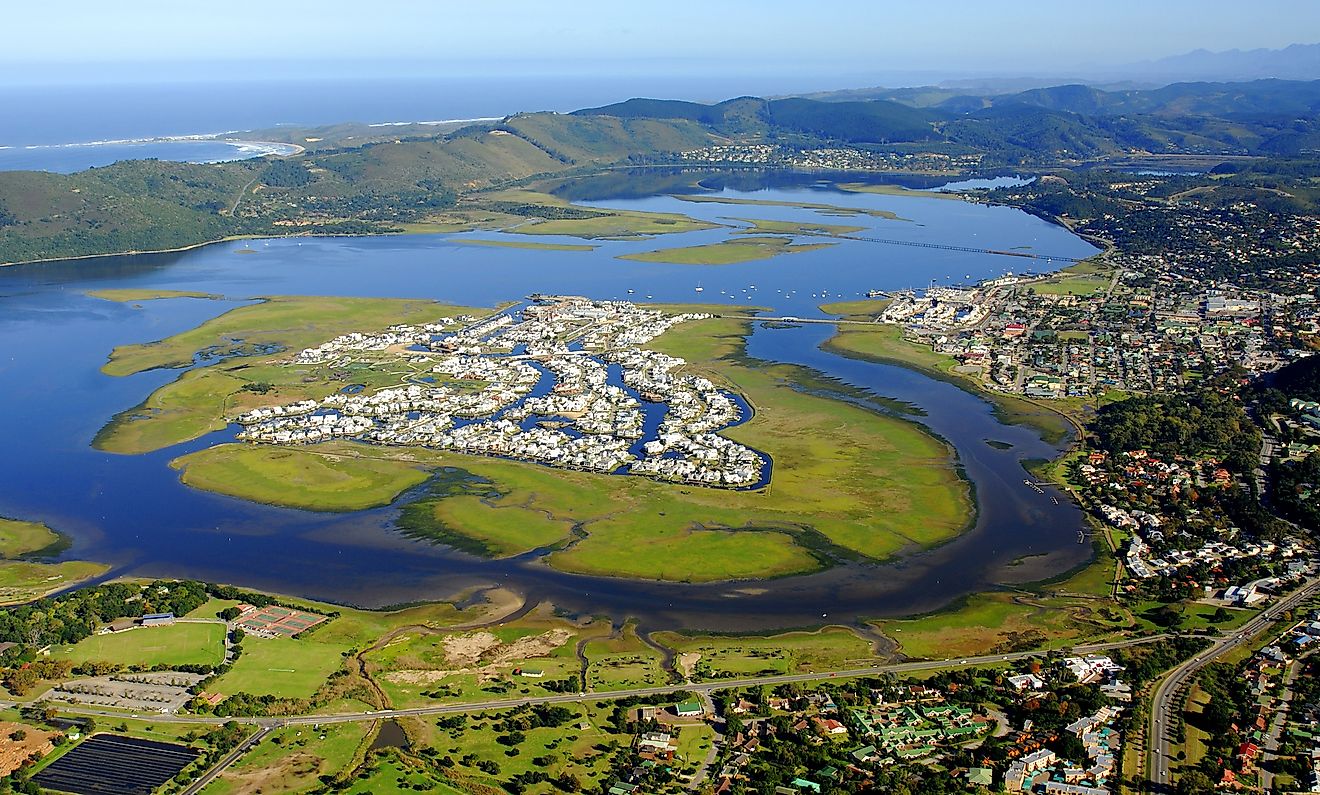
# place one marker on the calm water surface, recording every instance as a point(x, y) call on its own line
point(132, 512)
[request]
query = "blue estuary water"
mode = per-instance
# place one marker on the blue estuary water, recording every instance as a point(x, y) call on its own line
point(132, 511)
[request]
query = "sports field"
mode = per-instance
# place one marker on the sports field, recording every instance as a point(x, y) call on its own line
point(177, 644)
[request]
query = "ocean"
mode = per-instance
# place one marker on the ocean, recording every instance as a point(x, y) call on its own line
point(67, 128)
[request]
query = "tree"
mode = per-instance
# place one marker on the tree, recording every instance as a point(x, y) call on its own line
point(1194, 782)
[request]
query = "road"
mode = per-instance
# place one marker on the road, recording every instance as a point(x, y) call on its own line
point(1269, 748)
point(230, 758)
point(1166, 702)
point(701, 688)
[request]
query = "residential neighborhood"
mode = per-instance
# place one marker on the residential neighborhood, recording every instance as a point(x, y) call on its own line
point(564, 381)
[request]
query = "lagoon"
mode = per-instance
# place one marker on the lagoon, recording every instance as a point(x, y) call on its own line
point(132, 511)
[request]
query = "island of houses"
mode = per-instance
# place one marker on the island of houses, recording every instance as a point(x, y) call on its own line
point(564, 381)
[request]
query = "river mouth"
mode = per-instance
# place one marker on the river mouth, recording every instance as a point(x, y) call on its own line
point(132, 512)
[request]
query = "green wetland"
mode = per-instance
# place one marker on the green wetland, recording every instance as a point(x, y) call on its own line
point(133, 511)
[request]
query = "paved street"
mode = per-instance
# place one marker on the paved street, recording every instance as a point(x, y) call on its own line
point(1167, 701)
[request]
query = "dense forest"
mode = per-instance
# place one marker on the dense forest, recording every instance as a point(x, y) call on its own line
point(1207, 422)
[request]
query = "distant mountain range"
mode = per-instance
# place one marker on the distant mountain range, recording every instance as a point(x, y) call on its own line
point(1058, 123)
point(357, 186)
point(1295, 62)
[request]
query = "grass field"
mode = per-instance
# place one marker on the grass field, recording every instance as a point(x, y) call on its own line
point(718, 656)
point(566, 749)
point(178, 644)
point(622, 663)
point(291, 759)
point(289, 322)
point(1195, 616)
point(742, 249)
point(502, 528)
point(896, 190)
point(282, 667)
point(18, 538)
point(307, 478)
point(612, 224)
point(862, 309)
point(1079, 285)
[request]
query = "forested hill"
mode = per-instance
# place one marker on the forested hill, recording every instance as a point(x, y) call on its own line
point(876, 121)
point(353, 186)
point(151, 205)
point(1035, 126)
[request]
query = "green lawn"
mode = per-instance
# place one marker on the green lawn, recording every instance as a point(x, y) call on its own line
point(308, 478)
point(282, 667)
point(1082, 285)
point(178, 644)
point(729, 252)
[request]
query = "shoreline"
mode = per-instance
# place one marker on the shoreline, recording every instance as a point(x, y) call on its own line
point(404, 231)
point(1002, 411)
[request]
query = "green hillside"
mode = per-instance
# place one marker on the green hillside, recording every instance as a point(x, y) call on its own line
point(151, 205)
point(382, 183)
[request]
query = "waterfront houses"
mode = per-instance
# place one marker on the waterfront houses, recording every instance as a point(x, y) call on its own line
point(564, 382)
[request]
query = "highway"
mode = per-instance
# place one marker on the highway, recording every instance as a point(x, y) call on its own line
point(1166, 701)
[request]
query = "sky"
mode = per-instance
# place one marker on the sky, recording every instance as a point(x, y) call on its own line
point(91, 40)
